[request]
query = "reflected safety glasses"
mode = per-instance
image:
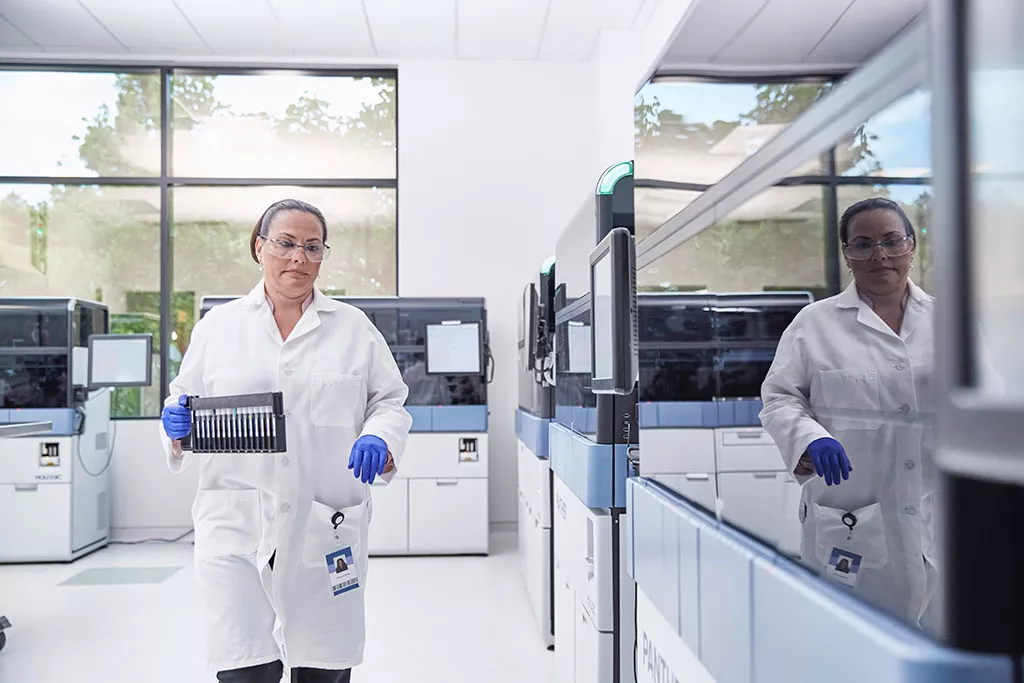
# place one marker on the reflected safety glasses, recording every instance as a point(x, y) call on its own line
point(892, 247)
point(287, 249)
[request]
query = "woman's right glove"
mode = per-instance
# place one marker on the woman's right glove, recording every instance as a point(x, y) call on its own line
point(830, 460)
point(177, 419)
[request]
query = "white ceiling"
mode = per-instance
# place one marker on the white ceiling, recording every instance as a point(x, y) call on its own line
point(762, 35)
point(548, 30)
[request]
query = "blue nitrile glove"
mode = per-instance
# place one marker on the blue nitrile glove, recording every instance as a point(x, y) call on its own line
point(177, 419)
point(830, 460)
point(368, 458)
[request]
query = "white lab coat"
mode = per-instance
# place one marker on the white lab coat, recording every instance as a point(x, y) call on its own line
point(840, 371)
point(339, 381)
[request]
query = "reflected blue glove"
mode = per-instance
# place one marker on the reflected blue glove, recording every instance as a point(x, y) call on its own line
point(177, 419)
point(830, 460)
point(368, 459)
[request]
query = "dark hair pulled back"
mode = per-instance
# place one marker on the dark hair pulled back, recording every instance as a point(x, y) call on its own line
point(262, 227)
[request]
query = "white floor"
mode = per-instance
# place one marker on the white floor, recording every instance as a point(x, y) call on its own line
point(429, 619)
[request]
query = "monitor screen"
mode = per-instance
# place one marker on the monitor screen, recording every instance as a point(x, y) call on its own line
point(120, 360)
point(603, 319)
point(454, 349)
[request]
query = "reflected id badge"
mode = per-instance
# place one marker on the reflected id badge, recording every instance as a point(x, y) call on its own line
point(341, 568)
point(844, 566)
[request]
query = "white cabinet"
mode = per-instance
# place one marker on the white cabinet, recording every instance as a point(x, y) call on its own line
point(752, 501)
point(565, 629)
point(36, 522)
point(594, 650)
point(699, 487)
point(389, 527)
point(448, 516)
point(746, 449)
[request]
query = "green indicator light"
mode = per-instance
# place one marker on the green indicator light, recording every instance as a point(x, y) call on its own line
point(613, 175)
point(548, 264)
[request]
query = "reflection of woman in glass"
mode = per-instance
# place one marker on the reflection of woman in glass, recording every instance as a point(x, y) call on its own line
point(847, 398)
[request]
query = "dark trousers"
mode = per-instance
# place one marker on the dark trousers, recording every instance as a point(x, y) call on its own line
point(272, 672)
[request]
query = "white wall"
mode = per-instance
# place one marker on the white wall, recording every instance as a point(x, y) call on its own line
point(493, 160)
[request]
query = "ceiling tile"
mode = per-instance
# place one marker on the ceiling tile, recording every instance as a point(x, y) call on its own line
point(237, 26)
point(337, 26)
point(500, 29)
point(864, 30)
point(58, 24)
point(572, 31)
point(422, 29)
point(708, 27)
point(147, 25)
point(783, 32)
point(13, 39)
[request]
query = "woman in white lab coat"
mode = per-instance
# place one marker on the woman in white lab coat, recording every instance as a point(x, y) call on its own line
point(268, 535)
point(848, 402)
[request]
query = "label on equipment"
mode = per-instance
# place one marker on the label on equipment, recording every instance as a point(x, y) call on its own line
point(49, 455)
point(468, 451)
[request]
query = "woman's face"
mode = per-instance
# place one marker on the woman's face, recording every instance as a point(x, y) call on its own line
point(880, 274)
point(291, 276)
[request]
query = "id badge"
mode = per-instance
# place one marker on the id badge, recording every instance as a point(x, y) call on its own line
point(844, 567)
point(341, 570)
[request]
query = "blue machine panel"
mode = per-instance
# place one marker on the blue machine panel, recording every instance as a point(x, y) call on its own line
point(596, 473)
point(459, 418)
point(64, 419)
point(699, 414)
point(422, 418)
point(726, 602)
point(873, 647)
point(533, 431)
point(753, 616)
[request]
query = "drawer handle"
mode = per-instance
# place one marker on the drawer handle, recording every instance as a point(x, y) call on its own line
point(447, 482)
point(698, 477)
point(28, 488)
point(749, 435)
point(765, 475)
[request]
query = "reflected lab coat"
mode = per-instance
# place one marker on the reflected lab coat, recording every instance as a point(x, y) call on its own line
point(840, 371)
point(339, 381)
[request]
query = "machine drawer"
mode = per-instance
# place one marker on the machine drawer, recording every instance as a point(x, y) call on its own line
point(454, 455)
point(389, 527)
point(674, 451)
point(594, 658)
point(753, 501)
point(448, 516)
point(699, 487)
point(746, 450)
point(35, 522)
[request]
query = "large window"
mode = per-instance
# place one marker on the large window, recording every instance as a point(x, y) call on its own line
point(99, 166)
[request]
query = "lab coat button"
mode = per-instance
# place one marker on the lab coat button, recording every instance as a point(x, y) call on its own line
point(904, 409)
point(285, 507)
point(289, 372)
point(909, 464)
point(285, 460)
point(901, 367)
point(910, 510)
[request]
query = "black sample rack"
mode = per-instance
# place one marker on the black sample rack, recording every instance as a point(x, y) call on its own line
point(248, 423)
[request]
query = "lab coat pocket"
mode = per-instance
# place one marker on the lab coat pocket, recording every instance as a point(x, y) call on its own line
point(337, 400)
point(866, 539)
point(335, 544)
point(227, 522)
point(851, 399)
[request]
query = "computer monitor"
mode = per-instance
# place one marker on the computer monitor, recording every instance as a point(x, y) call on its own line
point(613, 314)
point(528, 328)
point(120, 360)
point(454, 348)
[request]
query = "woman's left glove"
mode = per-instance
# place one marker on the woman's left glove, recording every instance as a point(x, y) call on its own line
point(368, 459)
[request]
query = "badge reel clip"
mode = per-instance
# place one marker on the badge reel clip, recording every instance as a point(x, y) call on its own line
point(850, 520)
point(337, 519)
